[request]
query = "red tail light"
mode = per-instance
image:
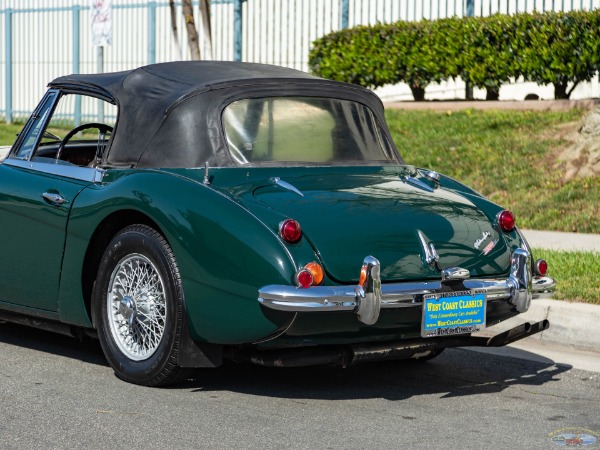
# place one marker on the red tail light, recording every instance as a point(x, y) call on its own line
point(506, 220)
point(541, 267)
point(304, 278)
point(290, 231)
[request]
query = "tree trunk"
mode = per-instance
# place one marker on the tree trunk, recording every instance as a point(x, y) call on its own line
point(560, 91)
point(174, 28)
point(492, 93)
point(418, 92)
point(190, 25)
point(206, 29)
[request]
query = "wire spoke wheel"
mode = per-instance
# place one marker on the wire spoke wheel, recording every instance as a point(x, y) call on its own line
point(138, 310)
point(136, 307)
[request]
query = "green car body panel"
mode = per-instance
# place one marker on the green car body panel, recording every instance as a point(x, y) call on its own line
point(35, 234)
point(226, 241)
point(214, 239)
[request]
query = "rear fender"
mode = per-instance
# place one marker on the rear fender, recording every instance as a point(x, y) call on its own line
point(224, 253)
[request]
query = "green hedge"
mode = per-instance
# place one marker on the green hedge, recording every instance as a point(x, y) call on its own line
point(562, 49)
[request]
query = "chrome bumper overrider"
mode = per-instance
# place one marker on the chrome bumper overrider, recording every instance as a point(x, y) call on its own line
point(368, 299)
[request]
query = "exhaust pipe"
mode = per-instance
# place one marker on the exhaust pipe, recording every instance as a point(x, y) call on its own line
point(517, 333)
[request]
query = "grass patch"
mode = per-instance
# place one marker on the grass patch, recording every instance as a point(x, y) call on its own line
point(509, 156)
point(577, 274)
point(8, 133)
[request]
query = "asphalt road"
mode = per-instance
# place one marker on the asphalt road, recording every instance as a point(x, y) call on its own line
point(56, 392)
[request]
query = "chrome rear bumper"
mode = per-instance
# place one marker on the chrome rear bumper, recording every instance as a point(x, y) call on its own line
point(368, 299)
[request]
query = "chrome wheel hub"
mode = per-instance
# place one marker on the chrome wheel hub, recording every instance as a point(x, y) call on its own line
point(136, 307)
point(127, 309)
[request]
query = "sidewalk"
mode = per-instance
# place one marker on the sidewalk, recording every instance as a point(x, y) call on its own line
point(532, 105)
point(572, 325)
point(556, 240)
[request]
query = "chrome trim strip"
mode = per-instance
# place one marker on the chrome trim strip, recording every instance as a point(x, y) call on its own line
point(285, 185)
point(517, 290)
point(91, 174)
point(417, 183)
point(430, 254)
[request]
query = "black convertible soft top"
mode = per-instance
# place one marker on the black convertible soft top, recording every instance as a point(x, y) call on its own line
point(170, 113)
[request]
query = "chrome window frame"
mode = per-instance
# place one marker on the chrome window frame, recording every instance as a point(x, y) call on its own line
point(67, 170)
point(91, 174)
point(48, 101)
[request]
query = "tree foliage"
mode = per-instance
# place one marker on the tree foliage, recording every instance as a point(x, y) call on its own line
point(562, 49)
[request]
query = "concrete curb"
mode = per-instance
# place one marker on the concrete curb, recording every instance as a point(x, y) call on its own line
point(572, 325)
point(457, 105)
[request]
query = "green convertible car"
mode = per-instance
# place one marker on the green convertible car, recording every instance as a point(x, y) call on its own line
point(190, 212)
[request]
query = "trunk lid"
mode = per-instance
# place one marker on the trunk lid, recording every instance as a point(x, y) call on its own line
point(347, 215)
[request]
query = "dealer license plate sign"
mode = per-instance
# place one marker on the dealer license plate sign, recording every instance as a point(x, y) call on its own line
point(449, 313)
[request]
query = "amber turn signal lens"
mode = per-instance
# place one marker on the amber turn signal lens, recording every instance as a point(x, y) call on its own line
point(304, 278)
point(363, 276)
point(506, 220)
point(541, 267)
point(290, 231)
point(317, 272)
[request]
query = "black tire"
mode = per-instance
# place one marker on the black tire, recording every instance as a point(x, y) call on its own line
point(138, 307)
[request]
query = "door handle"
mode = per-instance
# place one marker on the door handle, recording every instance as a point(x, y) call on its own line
point(54, 198)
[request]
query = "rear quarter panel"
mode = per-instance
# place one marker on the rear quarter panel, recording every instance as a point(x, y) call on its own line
point(223, 252)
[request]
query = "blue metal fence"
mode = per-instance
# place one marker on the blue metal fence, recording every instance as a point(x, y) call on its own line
point(42, 39)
